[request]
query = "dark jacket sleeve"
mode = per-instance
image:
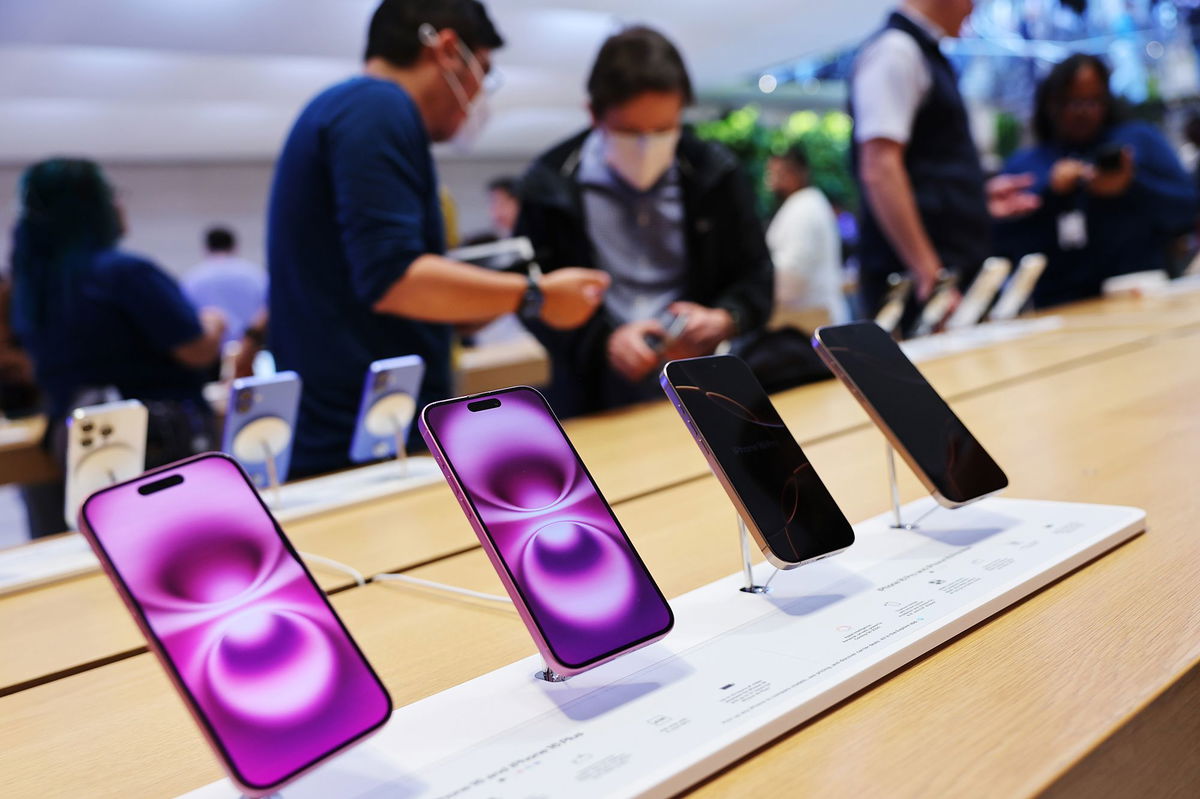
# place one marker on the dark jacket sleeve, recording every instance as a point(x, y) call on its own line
point(746, 274)
point(559, 240)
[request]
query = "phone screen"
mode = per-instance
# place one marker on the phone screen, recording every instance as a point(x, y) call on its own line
point(583, 583)
point(764, 465)
point(919, 419)
point(265, 662)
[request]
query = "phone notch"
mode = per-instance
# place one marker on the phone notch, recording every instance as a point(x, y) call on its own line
point(483, 404)
point(160, 485)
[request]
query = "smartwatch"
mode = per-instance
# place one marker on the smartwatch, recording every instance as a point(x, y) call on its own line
point(530, 309)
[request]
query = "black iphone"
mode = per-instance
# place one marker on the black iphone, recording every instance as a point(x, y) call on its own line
point(934, 442)
point(787, 509)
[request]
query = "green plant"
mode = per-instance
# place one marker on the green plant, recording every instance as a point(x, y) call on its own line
point(825, 137)
point(1008, 134)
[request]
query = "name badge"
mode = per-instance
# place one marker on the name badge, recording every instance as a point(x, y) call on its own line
point(1072, 230)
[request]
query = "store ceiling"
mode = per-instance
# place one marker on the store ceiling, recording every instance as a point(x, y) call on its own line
point(223, 79)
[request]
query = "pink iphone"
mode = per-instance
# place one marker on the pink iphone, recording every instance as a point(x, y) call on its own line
point(581, 588)
point(266, 667)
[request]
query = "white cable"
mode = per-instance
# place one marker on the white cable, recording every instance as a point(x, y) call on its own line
point(452, 589)
point(336, 566)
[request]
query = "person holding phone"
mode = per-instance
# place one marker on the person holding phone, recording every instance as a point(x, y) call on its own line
point(356, 231)
point(1114, 194)
point(669, 217)
point(927, 209)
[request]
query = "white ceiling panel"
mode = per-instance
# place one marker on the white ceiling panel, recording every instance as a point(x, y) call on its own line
point(221, 79)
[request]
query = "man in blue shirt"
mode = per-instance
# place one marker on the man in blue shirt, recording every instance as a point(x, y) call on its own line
point(355, 231)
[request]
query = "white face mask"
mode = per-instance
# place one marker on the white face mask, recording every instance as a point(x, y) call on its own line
point(476, 111)
point(641, 159)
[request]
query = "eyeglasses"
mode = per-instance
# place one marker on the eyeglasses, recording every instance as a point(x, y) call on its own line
point(489, 78)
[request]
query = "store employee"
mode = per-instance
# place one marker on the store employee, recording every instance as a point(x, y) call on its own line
point(355, 228)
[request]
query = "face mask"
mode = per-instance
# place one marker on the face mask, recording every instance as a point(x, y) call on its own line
point(641, 159)
point(476, 111)
point(471, 129)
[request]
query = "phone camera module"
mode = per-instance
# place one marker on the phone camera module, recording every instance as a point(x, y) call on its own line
point(244, 400)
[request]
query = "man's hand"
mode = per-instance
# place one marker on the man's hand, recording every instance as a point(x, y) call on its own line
point(212, 320)
point(1068, 173)
point(628, 352)
point(572, 295)
point(1117, 182)
point(706, 328)
point(1008, 196)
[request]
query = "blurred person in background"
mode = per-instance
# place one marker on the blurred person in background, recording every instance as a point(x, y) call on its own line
point(94, 317)
point(227, 281)
point(926, 207)
point(503, 205)
point(238, 288)
point(18, 390)
point(1114, 194)
point(503, 209)
point(670, 217)
point(804, 239)
point(356, 232)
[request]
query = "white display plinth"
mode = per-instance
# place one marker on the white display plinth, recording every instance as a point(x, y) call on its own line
point(342, 489)
point(45, 561)
point(738, 670)
point(41, 562)
point(968, 339)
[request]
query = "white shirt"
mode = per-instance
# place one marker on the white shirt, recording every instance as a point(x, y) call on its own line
point(891, 79)
point(806, 248)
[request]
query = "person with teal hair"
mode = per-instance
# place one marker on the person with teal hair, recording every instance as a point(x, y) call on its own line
point(95, 318)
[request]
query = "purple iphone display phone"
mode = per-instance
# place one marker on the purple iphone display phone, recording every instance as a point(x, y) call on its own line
point(387, 407)
point(260, 422)
point(266, 667)
point(788, 511)
point(570, 569)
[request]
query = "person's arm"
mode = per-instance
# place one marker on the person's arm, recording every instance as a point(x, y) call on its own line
point(156, 306)
point(382, 179)
point(889, 193)
point(203, 350)
point(1161, 189)
point(438, 289)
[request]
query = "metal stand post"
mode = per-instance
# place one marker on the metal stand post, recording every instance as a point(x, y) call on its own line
point(898, 522)
point(749, 586)
point(549, 675)
point(272, 473)
point(401, 447)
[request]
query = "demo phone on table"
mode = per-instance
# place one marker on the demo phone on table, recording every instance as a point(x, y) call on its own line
point(937, 446)
point(788, 511)
point(260, 658)
point(574, 576)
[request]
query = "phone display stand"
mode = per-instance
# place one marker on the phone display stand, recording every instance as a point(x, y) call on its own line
point(390, 416)
point(898, 522)
point(732, 676)
point(262, 441)
point(749, 586)
point(548, 674)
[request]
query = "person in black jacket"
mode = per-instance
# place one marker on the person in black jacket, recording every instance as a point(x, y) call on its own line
point(670, 217)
